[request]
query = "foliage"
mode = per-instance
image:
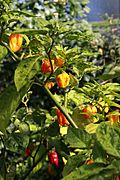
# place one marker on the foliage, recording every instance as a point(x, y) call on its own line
point(30, 131)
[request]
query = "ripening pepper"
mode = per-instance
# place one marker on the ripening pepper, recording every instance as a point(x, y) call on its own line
point(63, 80)
point(61, 118)
point(59, 62)
point(15, 42)
point(113, 116)
point(53, 158)
point(46, 67)
point(90, 161)
point(49, 85)
point(88, 111)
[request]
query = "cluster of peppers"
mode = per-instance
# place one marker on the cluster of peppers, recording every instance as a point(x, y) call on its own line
point(62, 80)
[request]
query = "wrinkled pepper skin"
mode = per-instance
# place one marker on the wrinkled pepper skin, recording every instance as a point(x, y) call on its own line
point(46, 67)
point(63, 80)
point(61, 118)
point(15, 42)
point(53, 158)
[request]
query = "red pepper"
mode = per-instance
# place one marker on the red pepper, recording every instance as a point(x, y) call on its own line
point(61, 118)
point(27, 152)
point(46, 67)
point(117, 178)
point(53, 158)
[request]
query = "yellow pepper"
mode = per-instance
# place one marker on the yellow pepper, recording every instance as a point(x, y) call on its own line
point(15, 42)
point(63, 80)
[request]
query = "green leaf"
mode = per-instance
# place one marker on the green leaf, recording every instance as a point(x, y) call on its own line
point(78, 138)
point(9, 101)
point(79, 119)
point(74, 96)
point(91, 128)
point(84, 172)
point(25, 71)
point(26, 13)
point(39, 152)
point(73, 80)
point(95, 171)
point(22, 140)
point(72, 163)
point(3, 52)
point(109, 139)
point(31, 31)
point(99, 154)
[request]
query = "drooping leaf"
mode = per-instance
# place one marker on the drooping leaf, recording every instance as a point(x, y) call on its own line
point(25, 71)
point(78, 138)
point(109, 139)
point(9, 101)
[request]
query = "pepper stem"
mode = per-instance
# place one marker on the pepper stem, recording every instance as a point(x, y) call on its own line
point(61, 108)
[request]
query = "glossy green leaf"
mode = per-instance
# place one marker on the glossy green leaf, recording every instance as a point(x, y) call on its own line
point(25, 71)
point(109, 139)
point(78, 138)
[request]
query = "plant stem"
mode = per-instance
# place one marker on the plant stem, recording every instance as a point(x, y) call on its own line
point(62, 109)
point(48, 54)
point(65, 100)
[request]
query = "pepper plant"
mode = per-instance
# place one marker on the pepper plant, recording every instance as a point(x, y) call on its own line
point(75, 134)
